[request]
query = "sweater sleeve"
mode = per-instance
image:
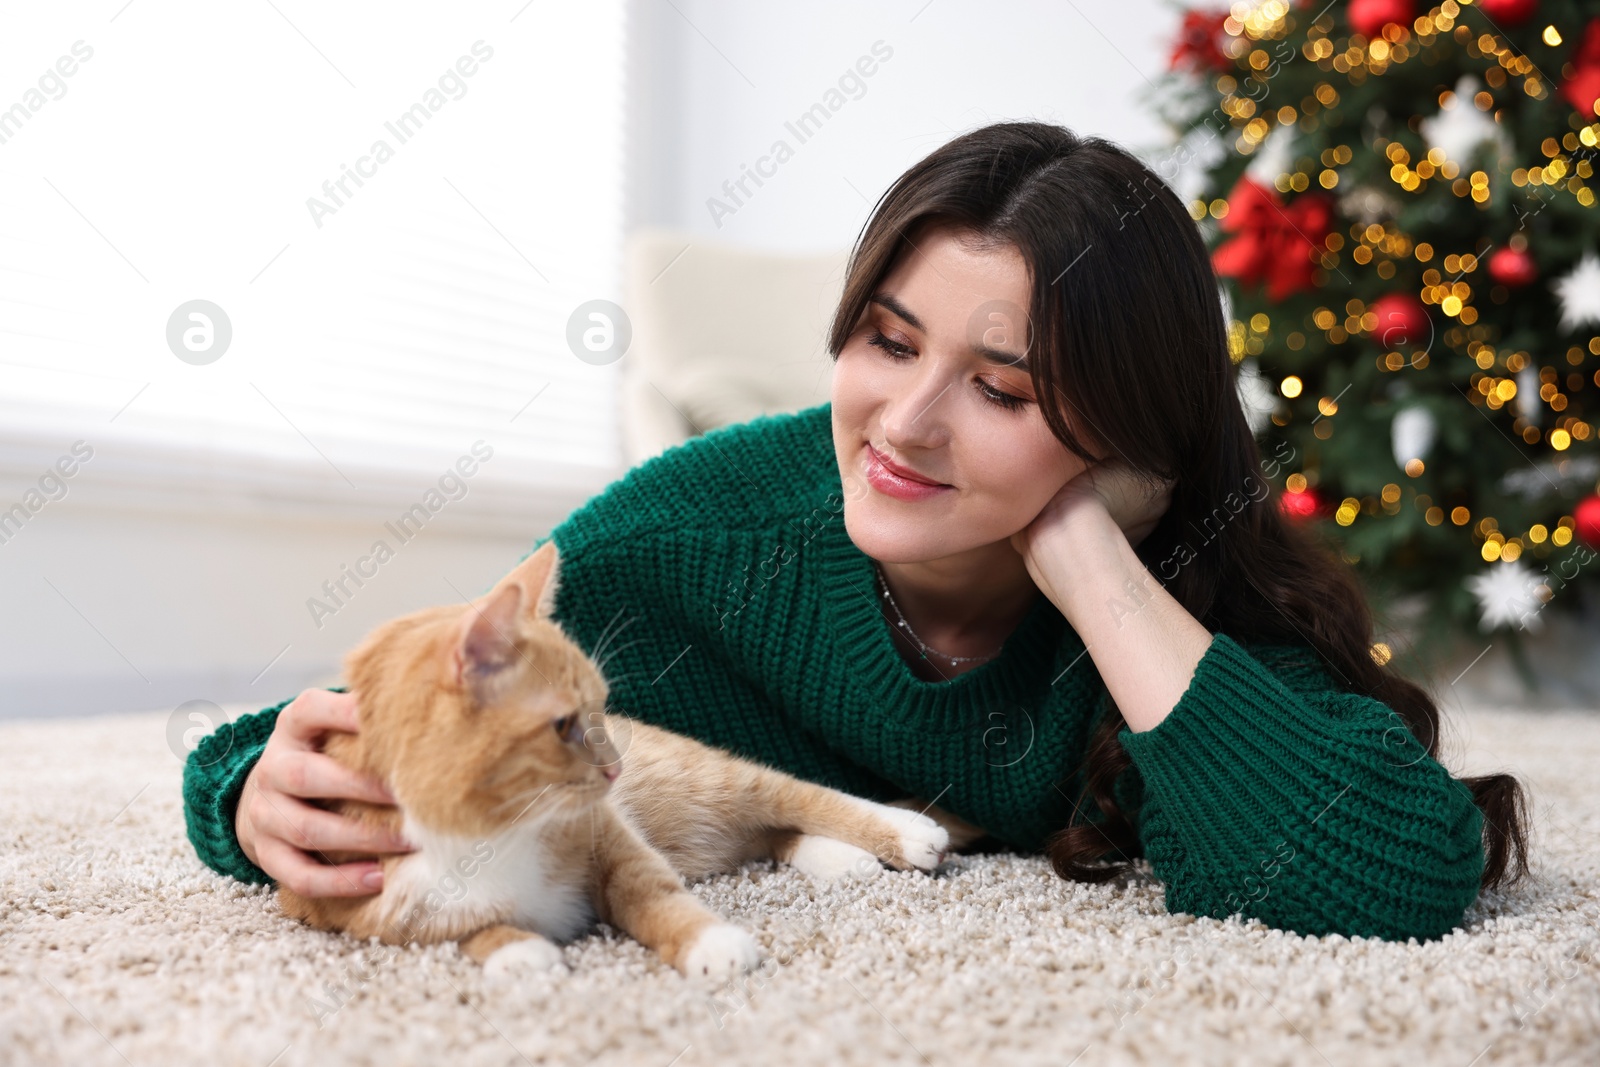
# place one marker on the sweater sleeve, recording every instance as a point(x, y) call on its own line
point(213, 777)
point(1312, 809)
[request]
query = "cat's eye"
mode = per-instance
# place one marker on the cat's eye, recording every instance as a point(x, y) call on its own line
point(563, 724)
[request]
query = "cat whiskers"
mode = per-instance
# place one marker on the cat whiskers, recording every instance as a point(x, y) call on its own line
point(607, 634)
point(525, 800)
point(559, 798)
point(604, 662)
point(613, 683)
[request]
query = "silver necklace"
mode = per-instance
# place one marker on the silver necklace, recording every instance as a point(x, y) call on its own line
point(906, 626)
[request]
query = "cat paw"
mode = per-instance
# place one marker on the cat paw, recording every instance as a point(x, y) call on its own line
point(829, 860)
point(721, 950)
point(527, 956)
point(923, 842)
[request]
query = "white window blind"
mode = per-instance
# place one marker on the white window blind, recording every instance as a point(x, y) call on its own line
point(377, 333)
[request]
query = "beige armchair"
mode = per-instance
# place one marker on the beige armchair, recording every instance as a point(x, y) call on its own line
point(721, 334)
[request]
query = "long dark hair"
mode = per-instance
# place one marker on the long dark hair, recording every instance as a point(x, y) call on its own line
point(1125, 304)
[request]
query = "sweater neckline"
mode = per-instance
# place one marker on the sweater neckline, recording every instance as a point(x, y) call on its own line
point(867, 643)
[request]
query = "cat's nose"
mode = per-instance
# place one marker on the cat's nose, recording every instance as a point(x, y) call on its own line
point(611, 770)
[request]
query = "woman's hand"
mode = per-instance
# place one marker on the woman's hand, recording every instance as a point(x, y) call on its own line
point(276, 827)
point(1109, 488)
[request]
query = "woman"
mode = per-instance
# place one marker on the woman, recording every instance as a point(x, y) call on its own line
point(1025, 565)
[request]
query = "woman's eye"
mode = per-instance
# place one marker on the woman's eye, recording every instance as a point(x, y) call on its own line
point(1005, 400)
point(894, 349)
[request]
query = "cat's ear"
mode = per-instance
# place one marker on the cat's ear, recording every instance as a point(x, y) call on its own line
point(487, 642)
point(540, 578)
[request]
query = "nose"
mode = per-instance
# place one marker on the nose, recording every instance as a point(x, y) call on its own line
point(912, 419)
point(611, 771)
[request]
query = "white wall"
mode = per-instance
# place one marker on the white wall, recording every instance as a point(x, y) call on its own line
point(128, 610)
point(724, 78)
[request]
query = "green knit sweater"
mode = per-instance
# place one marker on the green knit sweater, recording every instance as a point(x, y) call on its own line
point(740, 612)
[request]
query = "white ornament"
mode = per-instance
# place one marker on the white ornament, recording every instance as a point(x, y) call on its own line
point(1580, 294)
point(1368, 205)
point(1256, 396)
point(1412, 434)
point(1507, 594)
point(1568, 476)
point(1460, 127)
point(1273, 157)
point(1528, 393)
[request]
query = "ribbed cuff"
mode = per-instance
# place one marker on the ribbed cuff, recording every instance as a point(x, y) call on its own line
point(213, 779)
point(211, 821)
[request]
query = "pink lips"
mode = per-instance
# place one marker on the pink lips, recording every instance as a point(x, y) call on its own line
point(893, 480)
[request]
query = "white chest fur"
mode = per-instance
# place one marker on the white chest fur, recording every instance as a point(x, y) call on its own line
point(464, 883)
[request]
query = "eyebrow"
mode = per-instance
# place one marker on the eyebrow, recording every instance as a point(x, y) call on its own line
point(892, 303)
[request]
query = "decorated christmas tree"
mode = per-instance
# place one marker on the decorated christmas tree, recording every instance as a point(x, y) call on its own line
point(1400, 200)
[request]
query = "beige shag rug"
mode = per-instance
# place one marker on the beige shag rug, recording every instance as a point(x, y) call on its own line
point(117, 947)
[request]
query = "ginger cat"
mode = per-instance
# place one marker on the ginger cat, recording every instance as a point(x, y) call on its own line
point(534, 813)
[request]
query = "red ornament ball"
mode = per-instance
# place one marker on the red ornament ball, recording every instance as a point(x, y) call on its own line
point(1513, 268)
point(1582, 91)
point(1509, 13)
point(1586, 520)
point(1302, 505)
point(1402, 320)
point(1369, 17)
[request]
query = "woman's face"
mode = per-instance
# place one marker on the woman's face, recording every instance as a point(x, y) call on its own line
point(934, 403)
